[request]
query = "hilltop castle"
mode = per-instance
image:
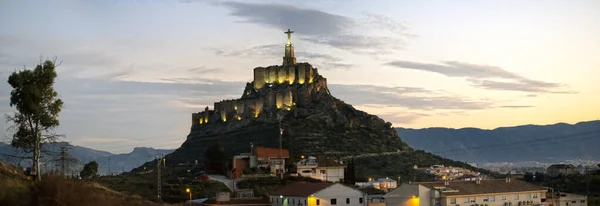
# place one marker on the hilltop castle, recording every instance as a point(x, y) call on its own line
point(274, 90)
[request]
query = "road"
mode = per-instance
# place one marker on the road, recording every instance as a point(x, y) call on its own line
point(228, 182)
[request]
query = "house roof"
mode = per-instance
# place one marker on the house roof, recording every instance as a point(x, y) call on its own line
point(484, 187)
point(329, 162)
point(265, 152)
point(302, 189)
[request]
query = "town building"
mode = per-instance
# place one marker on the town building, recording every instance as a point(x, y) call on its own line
point(561, 169)
point(449, 173)
point(264, 158)
point(326, 169)
point(565, 199)
point(225, 199)
point(384, 184)
point(503, 192)
point(317, 194)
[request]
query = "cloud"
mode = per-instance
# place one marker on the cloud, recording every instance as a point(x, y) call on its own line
point(479, 75)
point(143, 112)
point(516, 106)
point(523, 86)
point(374, 34)
point(324, 61)
point(406, 97)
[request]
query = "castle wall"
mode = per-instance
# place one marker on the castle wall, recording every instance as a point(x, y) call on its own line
point(281, 74)
point(279, 99)
point(205, 115)
point(194, 118)
point(291, 72)
point(258, 106)
point(270, 100)
point(287, 98)
point(259, 78)
point(301, 73)
point(310, 74)
point(239, 107)
point(272, 74)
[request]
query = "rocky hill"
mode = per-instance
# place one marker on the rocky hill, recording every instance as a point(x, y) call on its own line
point(541, 143)
point(294, 97)
point(322, 126)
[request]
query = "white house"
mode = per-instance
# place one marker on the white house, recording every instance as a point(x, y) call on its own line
point(326, 169)
point(317, 194)
point(505, 192)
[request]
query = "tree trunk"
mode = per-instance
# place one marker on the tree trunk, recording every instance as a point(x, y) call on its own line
point(36, 160)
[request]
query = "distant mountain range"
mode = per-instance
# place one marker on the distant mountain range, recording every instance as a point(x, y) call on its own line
point(541, 143)
point(82, 155)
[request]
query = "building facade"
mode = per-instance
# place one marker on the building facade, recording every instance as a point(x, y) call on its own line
point(317, 194)
point(507, 192)
point(565, 199)
point(326, 169)
point(271, 159)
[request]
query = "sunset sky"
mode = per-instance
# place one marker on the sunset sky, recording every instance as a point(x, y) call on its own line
point(134, 71)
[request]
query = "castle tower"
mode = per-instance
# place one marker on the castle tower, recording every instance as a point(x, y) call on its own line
point(289, 58)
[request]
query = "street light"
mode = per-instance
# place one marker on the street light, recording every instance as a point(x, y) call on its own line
point(189, 191)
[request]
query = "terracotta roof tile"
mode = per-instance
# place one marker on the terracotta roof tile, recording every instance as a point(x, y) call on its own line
point(264, 152)
point(485, 186)
point(302, 189)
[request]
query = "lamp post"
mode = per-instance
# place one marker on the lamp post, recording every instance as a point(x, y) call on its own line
point(189, 191)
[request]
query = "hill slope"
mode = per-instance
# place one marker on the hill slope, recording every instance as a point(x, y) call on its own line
point(546, 143)
point(118, 162)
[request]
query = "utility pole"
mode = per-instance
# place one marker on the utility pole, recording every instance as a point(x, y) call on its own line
point(158, 159)
point(279, 155)
point(63, 161)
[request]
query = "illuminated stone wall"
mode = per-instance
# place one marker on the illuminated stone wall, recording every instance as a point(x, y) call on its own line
point(301, 73)
point(259, 78)
point(298, 73)
point(291, 74)
point(281, 75)
point(256, 101)
point(272, 74)
point(279, 100)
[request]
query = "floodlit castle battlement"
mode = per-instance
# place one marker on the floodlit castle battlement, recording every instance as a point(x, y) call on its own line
point(273, 89)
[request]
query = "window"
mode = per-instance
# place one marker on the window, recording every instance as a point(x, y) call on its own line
point(271, 200)
point(573, 201)
point(466, 200)
point(503, 197)
point(516, 197)
point(305, 202)
point(333, 201)
point(347, 200)
point(535, 195)
point(469, 199)
point(582, 201)
point(360, 200)
point(528, 196)
point(293, 201)
point(453, 201)
point(492, 198)
point(318, 202)
point(486, 198)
